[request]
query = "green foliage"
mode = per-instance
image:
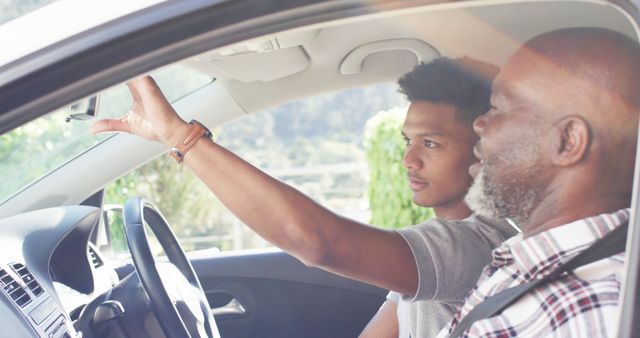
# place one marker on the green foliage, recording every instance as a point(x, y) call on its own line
point(29, 152)
point(186, 203)
point(388, 191)
point(34, 149)
point(339, 117)
point(116, 232)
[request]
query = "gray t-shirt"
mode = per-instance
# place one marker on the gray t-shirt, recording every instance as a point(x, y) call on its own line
point(450, 256)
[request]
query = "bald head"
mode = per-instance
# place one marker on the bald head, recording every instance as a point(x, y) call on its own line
point(602, 62)
point(590, 73)
point(598, 79)
point(585, 71)
point(567, 105)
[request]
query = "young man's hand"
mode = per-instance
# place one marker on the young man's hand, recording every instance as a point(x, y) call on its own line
point(151, 116)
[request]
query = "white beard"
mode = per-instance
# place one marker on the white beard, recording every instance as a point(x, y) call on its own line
point(514, 201)
point(476, 198)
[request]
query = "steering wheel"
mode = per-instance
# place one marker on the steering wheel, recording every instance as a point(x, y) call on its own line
point(176, 296)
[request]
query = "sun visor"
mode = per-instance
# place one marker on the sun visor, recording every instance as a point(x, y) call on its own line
point(264, 59)
point(266, 66)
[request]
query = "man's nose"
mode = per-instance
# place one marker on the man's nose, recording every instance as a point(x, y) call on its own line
point(479, 123)
point(411, 160)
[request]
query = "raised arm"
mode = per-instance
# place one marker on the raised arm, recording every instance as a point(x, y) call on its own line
point(276, 211)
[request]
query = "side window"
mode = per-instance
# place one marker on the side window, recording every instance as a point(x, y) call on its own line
point(315, 145)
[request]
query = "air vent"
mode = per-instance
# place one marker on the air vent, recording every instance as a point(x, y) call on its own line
point(27, 278)
point(14, 289)
point(95, 260)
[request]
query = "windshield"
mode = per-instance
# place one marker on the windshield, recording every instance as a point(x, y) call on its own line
point(42, 145)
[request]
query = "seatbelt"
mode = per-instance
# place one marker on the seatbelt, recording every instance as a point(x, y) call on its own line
point(612, 243)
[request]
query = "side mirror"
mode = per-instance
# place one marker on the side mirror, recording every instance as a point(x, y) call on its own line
point(114, 243)
point(85, 109)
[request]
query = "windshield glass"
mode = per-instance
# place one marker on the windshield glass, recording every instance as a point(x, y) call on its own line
point(42, 145)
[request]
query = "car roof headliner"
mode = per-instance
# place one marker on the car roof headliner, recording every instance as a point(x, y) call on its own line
point(309, 59)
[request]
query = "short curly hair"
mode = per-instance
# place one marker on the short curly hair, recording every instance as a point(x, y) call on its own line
point(463, 83)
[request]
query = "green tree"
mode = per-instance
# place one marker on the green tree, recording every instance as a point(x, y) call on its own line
point(388, 191)
point(188, 205)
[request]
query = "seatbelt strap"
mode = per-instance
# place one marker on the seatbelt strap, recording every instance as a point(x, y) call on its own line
point(612, 243)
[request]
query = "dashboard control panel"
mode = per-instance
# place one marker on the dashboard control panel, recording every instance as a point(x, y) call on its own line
point(21, 287)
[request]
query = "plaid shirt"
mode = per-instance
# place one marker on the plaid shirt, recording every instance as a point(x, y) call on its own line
point(582, 304)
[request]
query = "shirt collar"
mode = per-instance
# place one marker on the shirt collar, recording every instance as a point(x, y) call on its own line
point(546, 249)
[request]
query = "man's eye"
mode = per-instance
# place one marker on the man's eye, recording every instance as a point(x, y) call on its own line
point(406, 141)
point(430, 144)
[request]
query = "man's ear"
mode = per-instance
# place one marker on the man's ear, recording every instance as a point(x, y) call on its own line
point(570, 140)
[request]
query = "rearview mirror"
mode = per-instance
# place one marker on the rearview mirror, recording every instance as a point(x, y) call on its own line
point(85, 109)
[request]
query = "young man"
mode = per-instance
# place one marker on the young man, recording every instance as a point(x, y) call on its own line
point(420, 263)
point(446, 96)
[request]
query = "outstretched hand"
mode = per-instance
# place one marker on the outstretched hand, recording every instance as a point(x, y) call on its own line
point(151, 116)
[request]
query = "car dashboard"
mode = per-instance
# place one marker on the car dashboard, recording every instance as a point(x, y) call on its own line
point(49, 271)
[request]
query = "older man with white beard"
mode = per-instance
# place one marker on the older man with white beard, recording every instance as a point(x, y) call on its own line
point(557, 155)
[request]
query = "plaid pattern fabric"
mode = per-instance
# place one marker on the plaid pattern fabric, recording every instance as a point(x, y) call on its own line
point(583, 304)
